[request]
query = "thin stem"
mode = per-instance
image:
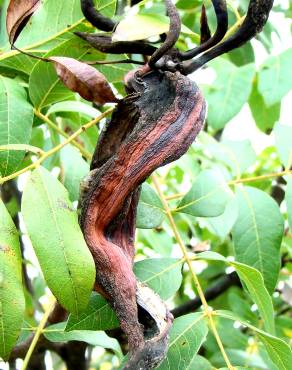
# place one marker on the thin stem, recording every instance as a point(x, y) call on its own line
point(13, 47)
point(261, 177)
point(58, 147)
point(207, 309)
point(179, 239)
point(38, 332)
point(55, 127)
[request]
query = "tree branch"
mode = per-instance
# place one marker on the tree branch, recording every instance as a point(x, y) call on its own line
point(211, 293)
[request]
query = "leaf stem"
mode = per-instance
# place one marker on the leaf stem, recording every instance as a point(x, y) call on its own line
point(22, 147)
point(207, 309)
point(261, 177)
point(38, 332)
point(55, 127)
point(58, 147)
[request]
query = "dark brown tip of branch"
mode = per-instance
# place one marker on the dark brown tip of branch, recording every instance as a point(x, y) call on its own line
point(205, 30)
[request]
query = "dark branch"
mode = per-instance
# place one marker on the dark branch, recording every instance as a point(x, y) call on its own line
point(172, 35)
point(222, 26)
point(95, 18)
point(256, 18)
point(106, 45)
point(20, 350)
point(211, 293)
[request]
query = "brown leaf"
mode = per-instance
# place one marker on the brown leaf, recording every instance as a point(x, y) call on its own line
point(84, 79)
point(18, 14)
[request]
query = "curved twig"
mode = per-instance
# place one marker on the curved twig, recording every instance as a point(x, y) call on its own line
point(95, 18)
point(172, 35)
point(106, 45)
point(256, 18)
point(220, 8)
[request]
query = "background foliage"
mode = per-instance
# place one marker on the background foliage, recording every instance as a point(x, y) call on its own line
point(218, 221)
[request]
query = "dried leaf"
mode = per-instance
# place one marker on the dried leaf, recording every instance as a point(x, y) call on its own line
point(18, 14)
point(84, 79)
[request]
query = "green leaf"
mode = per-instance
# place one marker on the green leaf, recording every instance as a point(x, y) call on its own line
point(53, 23)
point(97, 316)
point(158, 272)
point(229, 92)
point(140, 26)
point(238, 358)
point(239, 303)
point(155, 272)
point(75, 169)
point(150, 212)
point(255, 285)
point(186, 337)
point(236, 154)
point(278, 350)
point(200, 363)
point(288, 198)
point(19, 63)
point(106, 7)
point(208, 195)
point(230, 336)
point(243, 55)
point(50, 21)
point(56, 333)
point(283, 134)
point(12, 303)
point(256, 236)
point(275, 78)
point(16, 117)
point(243, 153)
point(223, 224)
point(53, 228)
point(143, 26)
point(158, 240)
point(115, 73)
point(265, 116)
